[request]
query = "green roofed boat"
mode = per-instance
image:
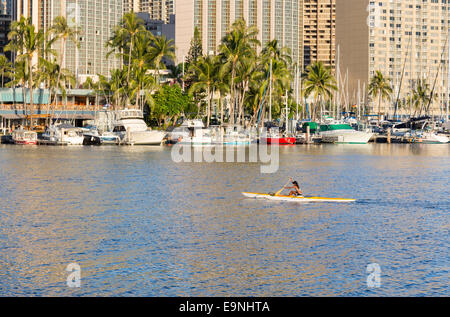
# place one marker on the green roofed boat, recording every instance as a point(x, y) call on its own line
point(341, 133)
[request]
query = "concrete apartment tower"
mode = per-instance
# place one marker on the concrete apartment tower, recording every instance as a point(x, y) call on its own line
point(95, 20)
point(382, 35)
point(305, 26)
point(157, 9)
point(131, 6)
point(319, 31)
point(275, 19)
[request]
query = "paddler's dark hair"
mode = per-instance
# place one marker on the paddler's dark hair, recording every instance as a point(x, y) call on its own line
point(295, 183)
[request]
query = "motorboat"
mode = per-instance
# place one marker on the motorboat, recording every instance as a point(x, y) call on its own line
point(237, 135)
point(343, 133)
point(276, 138)
point(91, 135)
point(63, 133)
point(185, 131)
point(432, 138)
point(24, 137)
point(198, 137)
point(131, 129)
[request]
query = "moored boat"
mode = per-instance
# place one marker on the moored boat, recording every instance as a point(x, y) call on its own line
point(131, 129)
point(278, 140)
point(343, 134)
point(24, 137)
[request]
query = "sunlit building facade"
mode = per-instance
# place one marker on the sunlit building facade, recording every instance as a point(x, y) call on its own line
point(94, 19)
point(404, 39)
point(275, 19)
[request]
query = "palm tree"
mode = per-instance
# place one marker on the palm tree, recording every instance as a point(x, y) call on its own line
point(236, 45)
point(63, 32)
point(204, 69)
point(421, 96)
point(320, 82)
point(90, 84)
point(380, 87)
point(161, 48)
point(246, 73)
point(140, 65)
point(113, 87)
point(20, 77)
point(5, 68)
point(26, 42)
point(124, 37)
point(273, 51)
point(56, 79)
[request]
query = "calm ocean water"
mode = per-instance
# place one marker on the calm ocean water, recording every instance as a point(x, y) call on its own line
point(140, 225)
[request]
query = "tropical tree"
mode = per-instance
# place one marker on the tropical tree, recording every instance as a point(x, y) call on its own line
point(380, 87)
point(273, 51)
point(196, 48)
point(56, 79)
point(26, 42)
point(319, 82)
point(113, 89)
point(204, 70)
point(421, 96)
point(61, 31)
point(124, 38)
point(89, 83)
point(141, 63)
point(169, 103)
point(237, 44)
point(5, 68)
point(161, 48)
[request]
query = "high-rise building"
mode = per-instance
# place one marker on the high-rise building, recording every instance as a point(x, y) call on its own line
point(319, 31)
point(307, 27)
point(6, 15)
point(132, 6)
point(275, 19)
point(158, 9)
point(94, 19)
point(404, 39)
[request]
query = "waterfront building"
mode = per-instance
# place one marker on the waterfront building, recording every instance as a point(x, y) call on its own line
point(77, 104)
point(404, 39)
point(95, 19)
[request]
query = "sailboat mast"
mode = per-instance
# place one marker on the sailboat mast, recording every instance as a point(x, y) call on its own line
point(270, 95)
point(448, 76)
point(338, 75)
point(296, 88)
point(403, 74)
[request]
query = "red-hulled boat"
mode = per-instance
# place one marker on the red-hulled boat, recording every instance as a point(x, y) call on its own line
point(278, 140)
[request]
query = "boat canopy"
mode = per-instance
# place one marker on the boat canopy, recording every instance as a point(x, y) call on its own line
point(335, 127)
point(312, 126)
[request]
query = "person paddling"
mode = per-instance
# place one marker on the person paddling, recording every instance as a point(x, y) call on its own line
point(296, 189)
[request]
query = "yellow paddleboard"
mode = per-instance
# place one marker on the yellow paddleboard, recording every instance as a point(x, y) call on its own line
point(298, 199)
